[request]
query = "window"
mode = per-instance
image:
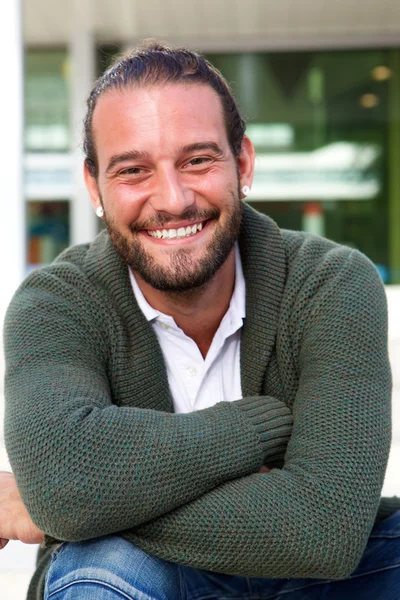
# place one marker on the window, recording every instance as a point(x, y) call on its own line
point(322, 124)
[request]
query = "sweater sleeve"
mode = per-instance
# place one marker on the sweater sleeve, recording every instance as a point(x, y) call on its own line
point(312, 518)
point(86, 467)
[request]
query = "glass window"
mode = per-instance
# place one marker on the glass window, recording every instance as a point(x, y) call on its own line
point(46, 101)
point(321, 124)
point(48, 231)
point(48, 176)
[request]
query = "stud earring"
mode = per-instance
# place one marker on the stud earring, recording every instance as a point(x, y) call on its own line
point(99, 211)
point(245, 190)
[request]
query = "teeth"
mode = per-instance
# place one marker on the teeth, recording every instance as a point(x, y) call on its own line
point(168, 234)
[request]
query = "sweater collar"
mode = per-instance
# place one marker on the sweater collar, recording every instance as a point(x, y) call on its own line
point(264, 266)
point(145, 364)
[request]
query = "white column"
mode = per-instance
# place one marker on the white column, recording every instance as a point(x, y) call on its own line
point(12, 235)
point(82, 57)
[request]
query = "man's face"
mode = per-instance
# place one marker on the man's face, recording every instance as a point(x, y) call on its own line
point(168, 182)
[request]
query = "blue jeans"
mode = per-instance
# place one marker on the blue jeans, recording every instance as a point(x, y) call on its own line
point(110, 568)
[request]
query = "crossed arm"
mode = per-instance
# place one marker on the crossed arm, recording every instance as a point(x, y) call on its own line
point(15, 522)
point(310, 519)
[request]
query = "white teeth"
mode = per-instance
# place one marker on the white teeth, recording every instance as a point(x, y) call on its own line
point(175, 233)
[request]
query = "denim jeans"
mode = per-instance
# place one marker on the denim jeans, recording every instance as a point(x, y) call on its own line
point(110, 568)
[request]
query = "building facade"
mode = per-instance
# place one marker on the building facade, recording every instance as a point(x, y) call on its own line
point(323, 114)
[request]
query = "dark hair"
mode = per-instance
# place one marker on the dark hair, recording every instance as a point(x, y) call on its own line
point(154, 63)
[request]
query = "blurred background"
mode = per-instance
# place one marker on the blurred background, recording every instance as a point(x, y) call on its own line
point(318, 82)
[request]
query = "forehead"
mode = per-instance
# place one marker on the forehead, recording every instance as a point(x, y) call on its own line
point(157, 118)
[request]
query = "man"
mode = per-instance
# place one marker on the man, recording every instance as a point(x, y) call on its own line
point(198, 403)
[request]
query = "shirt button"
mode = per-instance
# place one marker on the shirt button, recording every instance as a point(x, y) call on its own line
point(191, 371)
point(163, 325)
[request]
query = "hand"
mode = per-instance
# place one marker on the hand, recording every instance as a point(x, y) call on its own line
point(264, 469)
point(15, 522)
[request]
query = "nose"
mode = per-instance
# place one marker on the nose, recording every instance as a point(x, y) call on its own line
point(172, 195)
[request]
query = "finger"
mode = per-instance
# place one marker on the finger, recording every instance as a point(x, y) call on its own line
point(3, 543)
point(264, 469)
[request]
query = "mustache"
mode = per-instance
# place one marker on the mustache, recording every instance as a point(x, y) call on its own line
point(162, 218)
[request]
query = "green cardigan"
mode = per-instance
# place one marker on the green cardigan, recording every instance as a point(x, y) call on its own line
point(96, 448)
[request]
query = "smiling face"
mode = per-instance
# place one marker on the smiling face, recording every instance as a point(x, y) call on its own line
point(168, 182)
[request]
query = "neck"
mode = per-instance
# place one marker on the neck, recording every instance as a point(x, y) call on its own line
point(198, 312)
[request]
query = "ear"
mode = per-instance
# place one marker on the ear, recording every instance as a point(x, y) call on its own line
point(245, 162)
point(91, 186)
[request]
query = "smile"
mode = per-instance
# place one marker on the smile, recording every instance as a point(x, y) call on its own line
point(175, 233)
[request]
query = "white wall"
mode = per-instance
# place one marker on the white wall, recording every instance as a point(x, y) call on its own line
point(392, 481)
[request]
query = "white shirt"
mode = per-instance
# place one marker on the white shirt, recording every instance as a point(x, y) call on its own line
point(195, 382)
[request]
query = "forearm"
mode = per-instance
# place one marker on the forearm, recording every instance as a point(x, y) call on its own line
point(119, 467)
point(281, 524)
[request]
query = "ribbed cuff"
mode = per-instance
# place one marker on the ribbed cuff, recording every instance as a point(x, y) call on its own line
point(272, 420)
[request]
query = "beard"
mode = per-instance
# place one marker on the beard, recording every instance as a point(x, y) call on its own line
point(185, 273)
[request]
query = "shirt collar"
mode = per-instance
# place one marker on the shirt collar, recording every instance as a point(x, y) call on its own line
point(149, 312)
point(237, 304)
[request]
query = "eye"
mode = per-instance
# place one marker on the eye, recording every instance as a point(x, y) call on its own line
point(198, 161)
point(131, 171)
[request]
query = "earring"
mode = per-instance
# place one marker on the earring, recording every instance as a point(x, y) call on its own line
point(245, 190)
point(99, 211)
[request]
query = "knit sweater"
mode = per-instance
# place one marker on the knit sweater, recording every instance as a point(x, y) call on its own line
point(96, 449)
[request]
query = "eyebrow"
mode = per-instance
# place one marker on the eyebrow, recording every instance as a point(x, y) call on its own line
point(202, 146)
point(138, 155)
point(124, 157)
